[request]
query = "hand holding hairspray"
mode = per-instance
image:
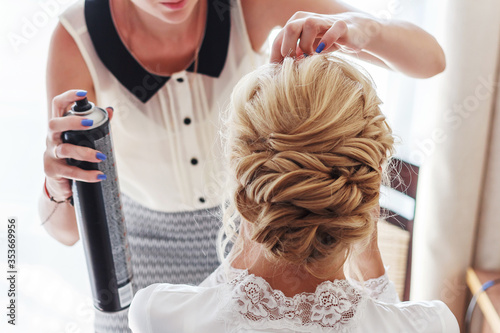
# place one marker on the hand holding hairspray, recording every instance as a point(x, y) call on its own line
point(99, 214)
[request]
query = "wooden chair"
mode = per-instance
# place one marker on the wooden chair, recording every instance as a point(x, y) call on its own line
point(395, 231)
point(488, 301)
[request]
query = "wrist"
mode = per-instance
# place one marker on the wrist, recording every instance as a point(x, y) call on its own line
point(53, 195)
point(373, 29)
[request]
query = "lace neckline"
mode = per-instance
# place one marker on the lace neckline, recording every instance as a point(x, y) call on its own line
point(250, 302)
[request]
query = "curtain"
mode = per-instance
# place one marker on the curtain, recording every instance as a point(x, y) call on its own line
point(488, 237)
point(458, 146)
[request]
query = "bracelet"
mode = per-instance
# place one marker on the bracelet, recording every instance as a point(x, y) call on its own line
point(69, 199)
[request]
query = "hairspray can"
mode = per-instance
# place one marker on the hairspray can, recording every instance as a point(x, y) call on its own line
point(99, 214)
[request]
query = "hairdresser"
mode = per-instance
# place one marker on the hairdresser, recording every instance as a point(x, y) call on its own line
point(167, 68)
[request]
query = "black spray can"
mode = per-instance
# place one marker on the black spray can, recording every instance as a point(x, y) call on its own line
point(99, 214)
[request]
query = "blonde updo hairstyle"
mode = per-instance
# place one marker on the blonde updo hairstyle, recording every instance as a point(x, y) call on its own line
point(305, 140)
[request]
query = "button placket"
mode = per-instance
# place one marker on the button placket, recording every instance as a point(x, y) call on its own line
point(192, 151)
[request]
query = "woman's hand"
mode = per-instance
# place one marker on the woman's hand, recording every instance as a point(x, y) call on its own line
point(57, 171)
point(349, 32)
point(392, 44)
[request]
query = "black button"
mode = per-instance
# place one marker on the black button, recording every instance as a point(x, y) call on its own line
point(194, 161)
point(187, 120)
point(202, 200)
point(180, 80)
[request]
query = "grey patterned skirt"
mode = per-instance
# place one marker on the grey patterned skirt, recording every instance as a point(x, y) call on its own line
point(175, 247)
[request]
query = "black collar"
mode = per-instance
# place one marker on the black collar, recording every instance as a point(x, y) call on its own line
point(130, 73)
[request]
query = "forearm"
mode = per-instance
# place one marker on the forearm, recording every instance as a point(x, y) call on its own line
point(394, 44)
point(404, 47)
point(59, 220)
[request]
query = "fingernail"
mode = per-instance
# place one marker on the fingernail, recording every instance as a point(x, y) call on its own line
point(81, 93)
point(110, 107)
point(101, 177)
point(100, 156)
point(87, 122)
point(306, 55)
point(320, 47)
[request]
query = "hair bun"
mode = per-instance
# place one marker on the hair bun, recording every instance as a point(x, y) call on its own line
point(306, 140)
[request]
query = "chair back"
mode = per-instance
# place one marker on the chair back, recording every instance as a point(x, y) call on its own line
point(397, 205)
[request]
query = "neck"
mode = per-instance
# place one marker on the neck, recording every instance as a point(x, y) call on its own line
point(288, 278)
point(159, 29)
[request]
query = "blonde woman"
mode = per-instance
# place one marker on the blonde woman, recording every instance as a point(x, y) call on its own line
point(306, 147)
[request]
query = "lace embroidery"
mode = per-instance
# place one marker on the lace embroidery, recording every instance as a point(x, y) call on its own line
point(331, 307)
point(380, 289)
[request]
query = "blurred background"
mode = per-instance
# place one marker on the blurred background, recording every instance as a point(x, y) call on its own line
point(446, 125)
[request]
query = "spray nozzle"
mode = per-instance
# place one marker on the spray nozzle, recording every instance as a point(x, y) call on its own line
point(82, 105)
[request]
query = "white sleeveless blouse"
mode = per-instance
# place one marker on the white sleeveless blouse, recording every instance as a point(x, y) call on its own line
point(165, 130)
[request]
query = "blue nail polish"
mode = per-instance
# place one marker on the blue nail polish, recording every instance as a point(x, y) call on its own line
point(81, 93)
point(101, 177)
point(87, 122)
point(320, 47)
point(100, 156)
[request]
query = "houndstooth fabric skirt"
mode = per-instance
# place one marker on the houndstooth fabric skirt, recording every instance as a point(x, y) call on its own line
point(175, 247)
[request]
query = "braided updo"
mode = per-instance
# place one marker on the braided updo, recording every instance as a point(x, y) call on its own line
point(305, 142)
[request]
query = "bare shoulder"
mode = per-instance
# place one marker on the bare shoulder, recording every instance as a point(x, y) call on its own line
point(66, 68)
point(261, 16)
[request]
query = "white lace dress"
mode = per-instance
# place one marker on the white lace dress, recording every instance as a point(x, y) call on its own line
point(247, 303)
